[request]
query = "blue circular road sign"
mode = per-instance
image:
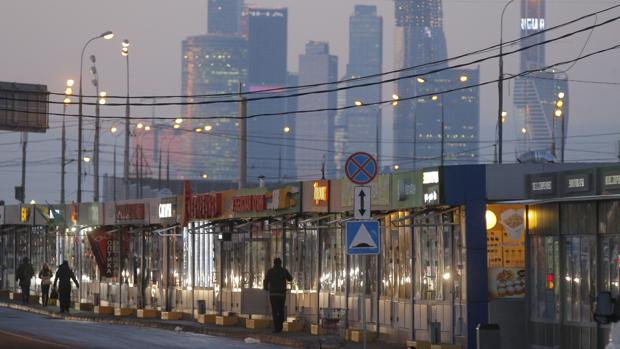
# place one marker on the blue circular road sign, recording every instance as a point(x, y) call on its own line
point(361, 168)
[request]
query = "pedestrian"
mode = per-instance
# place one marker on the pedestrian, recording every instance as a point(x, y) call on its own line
point(275, 283)
point(24, 274)
point(65, 275)
point(46, 280)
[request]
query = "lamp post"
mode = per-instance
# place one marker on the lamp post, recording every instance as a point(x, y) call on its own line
point(106, 35)
point(125, 53)
point(286, 130)
point(442, 124)
point(63, 146)
point(100, 101)
point(500, 86)
point(114, 132)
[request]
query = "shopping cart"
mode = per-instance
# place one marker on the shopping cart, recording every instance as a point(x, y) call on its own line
point(332, 326)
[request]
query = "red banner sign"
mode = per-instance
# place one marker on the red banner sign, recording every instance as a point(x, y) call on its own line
point(205, 206)
point(130, 212)
point(249, 203)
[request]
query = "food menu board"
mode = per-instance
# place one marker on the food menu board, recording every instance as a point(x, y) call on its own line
point(506, 251)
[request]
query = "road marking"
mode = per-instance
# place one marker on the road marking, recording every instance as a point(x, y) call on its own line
point(32, 339)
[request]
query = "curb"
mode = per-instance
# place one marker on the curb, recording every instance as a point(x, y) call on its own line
point(264, 338)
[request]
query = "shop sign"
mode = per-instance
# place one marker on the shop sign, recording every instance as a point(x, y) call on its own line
point(249, 203)
point(130, 212)
point(407, 190)
point(542, 185)
point(74, 213)
point(281, 199)
point(577, 183)
point(24, 214)
point(204, 206)
point(104, 248)
point(380, 193)
point(165, 210)
point(611, 181)
point(321, 193)
point(431, 187)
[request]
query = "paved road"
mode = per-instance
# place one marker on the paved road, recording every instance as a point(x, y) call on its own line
point(25, 330)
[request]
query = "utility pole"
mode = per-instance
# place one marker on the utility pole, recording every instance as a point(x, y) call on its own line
point(243, 156)
point(563, 137)
point(63, 152)
point(24, 150)
point(96, 151)
point(168, 168)
point(127, 127)
point(137, 172)
point(443, 132)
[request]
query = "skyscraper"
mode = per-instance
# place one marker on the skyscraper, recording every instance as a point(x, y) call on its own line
point(536, 95)
point(314, 151)
point(418, 136)
point(267, 54)
point(363, 125)
point(224, 17)
point(212, 64)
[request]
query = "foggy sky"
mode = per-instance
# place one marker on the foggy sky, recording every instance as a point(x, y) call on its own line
point(41, 42)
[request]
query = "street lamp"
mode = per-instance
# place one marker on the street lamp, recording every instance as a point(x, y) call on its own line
point(106, 35)
point(500, 86)
point(63, 146)
point(125, 53)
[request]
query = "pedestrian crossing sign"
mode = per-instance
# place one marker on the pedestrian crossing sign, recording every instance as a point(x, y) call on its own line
point(363, 237)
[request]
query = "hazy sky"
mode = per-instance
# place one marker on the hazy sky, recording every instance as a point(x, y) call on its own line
point(42, 40)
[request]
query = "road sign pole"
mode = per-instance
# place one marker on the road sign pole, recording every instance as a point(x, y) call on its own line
point(365, 288)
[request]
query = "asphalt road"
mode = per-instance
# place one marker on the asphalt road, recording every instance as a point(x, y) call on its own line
point(25, 330)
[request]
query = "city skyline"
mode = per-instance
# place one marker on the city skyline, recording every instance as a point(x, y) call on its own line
point(147, 76)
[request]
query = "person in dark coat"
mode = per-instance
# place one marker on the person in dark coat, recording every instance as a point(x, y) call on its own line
point(46, 281)
point(275, 283)
point(25, 272)
point(65, 275)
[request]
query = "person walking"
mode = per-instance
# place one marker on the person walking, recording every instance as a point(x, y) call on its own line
point(275, 282)
point(46, 280)
point(23, 275)
point(65, 275)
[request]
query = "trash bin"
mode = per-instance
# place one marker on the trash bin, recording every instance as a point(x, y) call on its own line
point(435, 332)
point(488, 336)
point(202, 307)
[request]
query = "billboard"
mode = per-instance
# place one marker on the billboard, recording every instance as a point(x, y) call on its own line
point(23, 107)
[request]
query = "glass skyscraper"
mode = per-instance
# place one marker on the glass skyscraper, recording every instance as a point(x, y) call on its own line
point(418, 136)
point(224, 17)
point(314, 149)
point(535, 95)
point(267, 63)
point(363, 125)
point(212, 64)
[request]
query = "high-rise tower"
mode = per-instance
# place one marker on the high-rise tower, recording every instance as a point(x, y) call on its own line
point(541, 127)
point(363, 125)
point(224, 17)
point(418, 135)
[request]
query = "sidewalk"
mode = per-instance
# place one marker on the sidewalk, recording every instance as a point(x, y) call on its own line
point(300, 340)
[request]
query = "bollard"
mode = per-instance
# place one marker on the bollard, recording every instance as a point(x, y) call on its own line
point(202, 307)
point(488, 336)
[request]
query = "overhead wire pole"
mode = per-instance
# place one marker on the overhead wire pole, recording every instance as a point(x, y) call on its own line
point(243, 133)
point(500, 87)
point(125, 52)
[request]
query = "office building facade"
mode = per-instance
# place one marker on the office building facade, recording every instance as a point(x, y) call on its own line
point(212, 64)
point(224, 17)
point(267, 63)
point(314, 150)
point(540, 130)
point(363, 125)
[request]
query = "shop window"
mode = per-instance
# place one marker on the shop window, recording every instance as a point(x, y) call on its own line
point(544, 285)
point(610, 264)
point(609, 219)
point(579, 218)
point(578, 278)
point(7, 261)
point(333, 260)
point(302, 249)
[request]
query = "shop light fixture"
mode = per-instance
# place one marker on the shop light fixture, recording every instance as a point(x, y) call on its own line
point(447, 275)
point(491, 219)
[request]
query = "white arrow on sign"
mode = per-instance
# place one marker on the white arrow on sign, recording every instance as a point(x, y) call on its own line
point(361, 198)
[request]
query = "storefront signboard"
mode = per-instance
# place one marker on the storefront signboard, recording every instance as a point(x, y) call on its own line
point(431, 187)
point(380, 193)
point(543, 185)
point(316, 196)
point(262, 202)
point(610, 180)
point(506, 251)
point(130, 213)
point(578, 183)
point(406, 190)
point(90, 214)
point(104, 248)
point(206, 206)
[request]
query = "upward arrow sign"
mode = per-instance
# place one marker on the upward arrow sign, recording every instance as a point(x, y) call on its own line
point(361, 199)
